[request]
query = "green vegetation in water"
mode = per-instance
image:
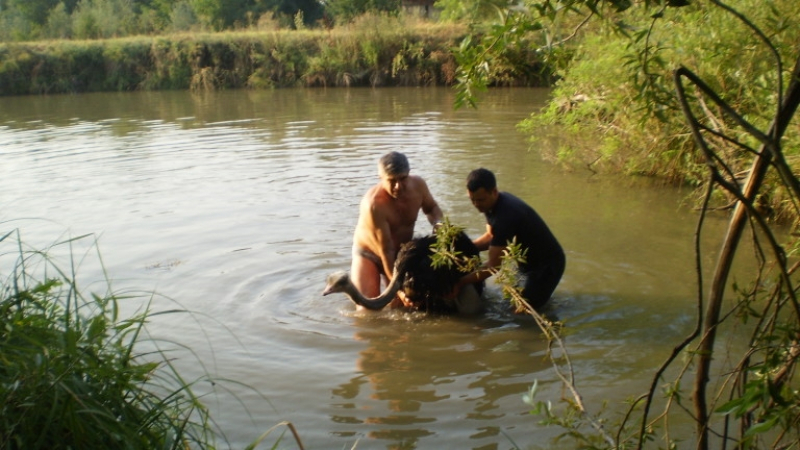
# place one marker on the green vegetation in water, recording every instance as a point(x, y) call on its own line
point(74, 373)
point(443, 251)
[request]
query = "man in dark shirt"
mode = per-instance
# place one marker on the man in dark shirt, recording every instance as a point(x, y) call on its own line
point(507, 218)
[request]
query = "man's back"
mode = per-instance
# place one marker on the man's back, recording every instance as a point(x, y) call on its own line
point(512, 217)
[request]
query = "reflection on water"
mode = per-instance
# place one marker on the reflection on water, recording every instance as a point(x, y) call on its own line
point(437, 376)
point(236, 205)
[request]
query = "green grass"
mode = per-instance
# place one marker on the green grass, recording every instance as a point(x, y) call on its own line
point(75, 374)
point(373, 51)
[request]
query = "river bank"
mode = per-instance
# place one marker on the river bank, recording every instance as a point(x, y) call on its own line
point(379, 52)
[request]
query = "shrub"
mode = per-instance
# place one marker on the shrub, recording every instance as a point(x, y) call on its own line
point(59, 23)
point(615, 97)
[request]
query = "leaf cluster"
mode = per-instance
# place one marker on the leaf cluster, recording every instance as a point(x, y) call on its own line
point(444, 253)
point(496, 57)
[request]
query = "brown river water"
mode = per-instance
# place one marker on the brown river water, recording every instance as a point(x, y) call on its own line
point(236, 205)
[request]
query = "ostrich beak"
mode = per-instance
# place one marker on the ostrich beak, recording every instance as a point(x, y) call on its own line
point(328, 290)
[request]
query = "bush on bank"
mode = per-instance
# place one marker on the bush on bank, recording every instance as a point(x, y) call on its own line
point(373, 51)
point(615, 107)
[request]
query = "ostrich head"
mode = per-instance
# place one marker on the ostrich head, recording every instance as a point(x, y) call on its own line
point(338, 282)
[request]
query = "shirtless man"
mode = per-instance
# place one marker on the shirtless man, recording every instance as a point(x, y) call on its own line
point(386, 220)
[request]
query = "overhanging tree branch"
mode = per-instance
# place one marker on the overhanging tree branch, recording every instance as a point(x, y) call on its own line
point(769, 150)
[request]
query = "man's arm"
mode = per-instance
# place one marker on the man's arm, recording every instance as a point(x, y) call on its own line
point(486, 269)
point(484, 240)
point(435, 216)
point(383, 235)
point(429, 206)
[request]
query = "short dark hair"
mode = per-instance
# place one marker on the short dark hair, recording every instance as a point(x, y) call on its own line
point(394, 163)
point(481, 178)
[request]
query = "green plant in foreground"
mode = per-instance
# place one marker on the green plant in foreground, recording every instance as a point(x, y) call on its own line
point(70, 376)
point(716, 103)
point(73, 373)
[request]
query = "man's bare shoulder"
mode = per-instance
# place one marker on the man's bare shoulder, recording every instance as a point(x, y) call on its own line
point(417, 179)
point(374, 198)
point(416, 184)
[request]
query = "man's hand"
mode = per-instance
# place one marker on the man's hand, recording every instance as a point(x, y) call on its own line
point(402, 301)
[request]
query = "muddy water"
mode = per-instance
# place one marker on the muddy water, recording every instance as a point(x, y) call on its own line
point(236, 205)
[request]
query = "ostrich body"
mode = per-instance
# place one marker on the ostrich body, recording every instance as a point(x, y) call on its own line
point(424, 287)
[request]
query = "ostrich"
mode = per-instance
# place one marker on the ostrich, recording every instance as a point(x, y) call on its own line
point(424, 286)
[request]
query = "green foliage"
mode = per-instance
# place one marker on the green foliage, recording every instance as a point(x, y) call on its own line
point(182, 17)
point(571, 419)
point(209, 12)
point(508, 275)
point(616, 107)
point(75, 373)
point(311, 11)
point(113, 18)
point(347, 10)
point(444, 252)
point(227, 14)
point(471, 10)
point(279, 65)
point(26, 20)
point(35, 11)
point(172, 68)
point(123, 64)
point(14, 26)
point(71, 376)
point(500, 56)
point(299, 24)
point(379, 50)
point(373, 51)
point(84, 22)
point(59, 23)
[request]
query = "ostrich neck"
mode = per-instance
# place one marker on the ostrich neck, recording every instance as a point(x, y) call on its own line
point(387, 295)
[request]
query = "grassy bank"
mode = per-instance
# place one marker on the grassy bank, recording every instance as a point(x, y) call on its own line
point(373, 51)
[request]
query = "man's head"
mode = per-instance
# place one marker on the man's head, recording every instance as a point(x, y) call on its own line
point(482, 189)
point(393, 169)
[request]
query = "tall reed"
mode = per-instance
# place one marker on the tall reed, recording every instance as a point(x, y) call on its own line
point(71, 375)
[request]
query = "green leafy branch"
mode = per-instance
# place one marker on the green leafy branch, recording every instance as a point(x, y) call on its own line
point(444, 251)
point(508, 278)
point(479, 61)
